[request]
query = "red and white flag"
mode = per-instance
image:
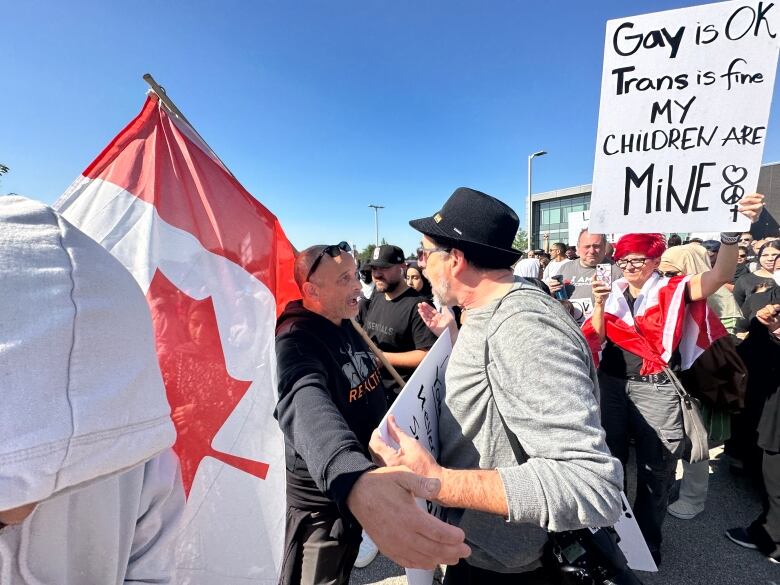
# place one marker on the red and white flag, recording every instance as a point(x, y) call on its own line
point(216, 268)
point(666, 321)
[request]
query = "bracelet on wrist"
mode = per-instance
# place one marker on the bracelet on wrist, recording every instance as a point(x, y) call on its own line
point(729, 238)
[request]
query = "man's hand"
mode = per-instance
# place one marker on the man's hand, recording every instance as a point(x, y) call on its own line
point(383, 502)
point(435, 321)
point(554, 285)
point(751, 206)
point(409, 453)
point(769, 316)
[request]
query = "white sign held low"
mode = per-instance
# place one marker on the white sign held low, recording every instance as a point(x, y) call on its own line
point(416, 410)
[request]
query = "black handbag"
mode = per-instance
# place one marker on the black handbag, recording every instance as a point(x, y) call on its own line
point(581, 557)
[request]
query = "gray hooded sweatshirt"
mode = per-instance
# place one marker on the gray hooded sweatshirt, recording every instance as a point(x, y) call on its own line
point(85, 428)
point(543, 383)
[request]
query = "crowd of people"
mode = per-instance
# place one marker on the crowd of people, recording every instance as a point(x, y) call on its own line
point(528, 450)
point(655, 344)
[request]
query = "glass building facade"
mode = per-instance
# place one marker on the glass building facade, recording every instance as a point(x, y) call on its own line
point(552, 217)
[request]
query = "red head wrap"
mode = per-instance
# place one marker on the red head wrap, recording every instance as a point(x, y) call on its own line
point(651, 245)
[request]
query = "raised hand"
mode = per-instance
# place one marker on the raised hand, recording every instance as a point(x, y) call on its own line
point(751, 206)
point(600, 291)
point(435, 321)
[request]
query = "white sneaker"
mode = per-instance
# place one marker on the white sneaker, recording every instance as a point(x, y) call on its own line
point(367, 553)
point(684, 510)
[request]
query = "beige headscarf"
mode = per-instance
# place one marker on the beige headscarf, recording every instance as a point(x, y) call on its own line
point(693, 259)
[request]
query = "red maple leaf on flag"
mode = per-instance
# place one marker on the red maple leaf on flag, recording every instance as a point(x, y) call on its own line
point(200, 391)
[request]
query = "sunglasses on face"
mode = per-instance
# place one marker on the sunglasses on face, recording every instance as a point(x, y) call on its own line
point(423, 253)
point(671, 273)
point(333, 251)
point(635, 262)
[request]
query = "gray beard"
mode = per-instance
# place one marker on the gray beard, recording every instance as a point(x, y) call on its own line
point(440, 291)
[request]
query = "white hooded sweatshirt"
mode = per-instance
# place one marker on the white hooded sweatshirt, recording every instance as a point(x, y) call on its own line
point(85, 428)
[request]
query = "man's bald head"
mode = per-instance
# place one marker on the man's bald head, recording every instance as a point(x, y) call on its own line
point(304, 261)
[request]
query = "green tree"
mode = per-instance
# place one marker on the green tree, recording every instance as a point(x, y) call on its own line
point(366, 254)
point(368, 251)
point(521, 240)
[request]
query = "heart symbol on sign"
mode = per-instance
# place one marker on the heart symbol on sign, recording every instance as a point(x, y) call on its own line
point(734, 174)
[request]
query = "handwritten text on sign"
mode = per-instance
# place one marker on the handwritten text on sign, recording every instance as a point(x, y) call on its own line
point(416, 410)
point(685, 98)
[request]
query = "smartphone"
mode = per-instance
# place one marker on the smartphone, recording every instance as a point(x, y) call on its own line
point(561, 294)
point(604, 273)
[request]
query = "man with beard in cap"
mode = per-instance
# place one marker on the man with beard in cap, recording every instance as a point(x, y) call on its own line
point(391, 319)
point(522, 450)
point(392, 322)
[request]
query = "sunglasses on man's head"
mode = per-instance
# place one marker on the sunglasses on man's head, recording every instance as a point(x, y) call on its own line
point(333, 251)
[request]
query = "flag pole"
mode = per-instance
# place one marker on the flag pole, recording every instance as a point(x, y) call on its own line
point(159, 90)
point(378, 353)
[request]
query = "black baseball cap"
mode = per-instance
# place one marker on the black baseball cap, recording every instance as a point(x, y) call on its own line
point(386, 256)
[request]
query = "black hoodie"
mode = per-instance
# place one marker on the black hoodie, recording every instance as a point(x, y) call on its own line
point(331, 398)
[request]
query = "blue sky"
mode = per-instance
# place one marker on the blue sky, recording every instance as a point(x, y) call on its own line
point(320, 108)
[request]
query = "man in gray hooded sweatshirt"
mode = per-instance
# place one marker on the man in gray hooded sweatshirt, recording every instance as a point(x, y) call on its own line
point(522, 450)
point(90, 490)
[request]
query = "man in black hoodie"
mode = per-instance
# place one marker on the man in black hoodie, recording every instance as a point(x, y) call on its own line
point(330, 399)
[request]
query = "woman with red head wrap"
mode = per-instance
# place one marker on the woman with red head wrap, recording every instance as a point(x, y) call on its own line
point(646, 322)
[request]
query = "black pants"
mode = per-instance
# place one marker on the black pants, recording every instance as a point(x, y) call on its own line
point(319, 549)
point(765, 530)
point(465, 574)
point(651, 414)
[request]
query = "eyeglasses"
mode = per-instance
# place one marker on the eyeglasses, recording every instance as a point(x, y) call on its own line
point(671, 273)
point(635, 262)
point(423, 252)
point(333, 251)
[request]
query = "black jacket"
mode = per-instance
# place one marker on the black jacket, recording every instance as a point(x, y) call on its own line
point(330, 400)
point(761, 354)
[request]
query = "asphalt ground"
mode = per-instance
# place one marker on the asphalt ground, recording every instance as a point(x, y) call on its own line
point(695, 552)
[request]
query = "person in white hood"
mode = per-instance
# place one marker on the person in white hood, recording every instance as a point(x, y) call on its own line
point(90, 490)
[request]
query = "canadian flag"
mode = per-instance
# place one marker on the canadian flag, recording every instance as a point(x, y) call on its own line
point(216, 269)
point(666, 321)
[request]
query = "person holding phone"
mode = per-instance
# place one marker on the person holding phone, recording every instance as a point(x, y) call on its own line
point(576, 276)
point(643, 326)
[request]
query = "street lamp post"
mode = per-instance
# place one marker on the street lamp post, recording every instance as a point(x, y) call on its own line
point(376, 209)
point(528, 211)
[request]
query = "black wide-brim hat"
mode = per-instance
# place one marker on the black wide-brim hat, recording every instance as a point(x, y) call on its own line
point(481, 222)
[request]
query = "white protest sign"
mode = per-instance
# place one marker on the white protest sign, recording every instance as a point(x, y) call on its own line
point(685, 98)
point(580, 220)
point(632, 543)
point(416, 410)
